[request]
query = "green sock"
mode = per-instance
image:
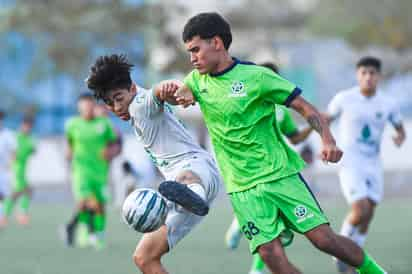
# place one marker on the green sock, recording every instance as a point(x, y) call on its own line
point(84, 217)
point(258, 264)
point(99, 222)
point(369, 266)
point(24, 203)
point(8, 206)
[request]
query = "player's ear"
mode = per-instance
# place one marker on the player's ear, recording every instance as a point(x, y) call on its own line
point(217, 43)
point(133, 88)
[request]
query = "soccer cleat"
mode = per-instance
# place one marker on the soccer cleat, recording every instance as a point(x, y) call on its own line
point(184, 196)
point(233, 235)
point(23, 219)
point(3, 222)
point(97, 241)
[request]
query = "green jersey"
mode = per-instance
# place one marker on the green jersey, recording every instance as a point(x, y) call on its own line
point(238, 107)
point(88, 139)
point(25, 147)
point(284, 120)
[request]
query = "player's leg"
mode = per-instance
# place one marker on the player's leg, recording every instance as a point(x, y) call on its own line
point(4, 192)
point(257, 265)
point(233, 235)
point(24, 191)
point(96, 206)
point(150, 250)
point(262, 224)
point(344, 249)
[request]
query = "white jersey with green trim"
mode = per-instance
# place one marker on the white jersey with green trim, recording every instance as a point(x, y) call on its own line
point(162, 134)
point(362, 121)
point(8, 144)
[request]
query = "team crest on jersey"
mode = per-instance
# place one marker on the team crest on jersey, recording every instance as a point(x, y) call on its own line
point(238, 89)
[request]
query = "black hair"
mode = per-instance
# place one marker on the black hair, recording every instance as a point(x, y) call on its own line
point(28, 119)
point(369, 61)
point(270, 66)
point(108, 73)
point(208, 25)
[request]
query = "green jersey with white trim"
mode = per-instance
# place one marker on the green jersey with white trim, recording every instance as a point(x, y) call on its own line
point(238, 107)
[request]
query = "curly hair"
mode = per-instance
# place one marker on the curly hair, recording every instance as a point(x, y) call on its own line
point(108, 73)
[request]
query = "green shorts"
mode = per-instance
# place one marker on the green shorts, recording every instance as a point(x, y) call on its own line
point(83, 190)
point(271, 210)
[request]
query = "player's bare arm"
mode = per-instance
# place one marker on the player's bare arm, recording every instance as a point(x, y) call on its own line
point(184, 96)
point(400, 136)
point(330, 152)
point(165, 90)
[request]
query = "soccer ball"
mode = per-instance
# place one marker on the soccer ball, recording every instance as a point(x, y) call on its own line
point(144, 210)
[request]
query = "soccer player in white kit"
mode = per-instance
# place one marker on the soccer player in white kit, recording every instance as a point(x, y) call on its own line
point(8, 147)
point(363, 111)
point(192, 177)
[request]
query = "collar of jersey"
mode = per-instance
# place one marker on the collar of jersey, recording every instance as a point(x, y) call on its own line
point(229, 68)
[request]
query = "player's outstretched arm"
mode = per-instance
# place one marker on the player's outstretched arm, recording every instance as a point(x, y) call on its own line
point(400, 136)
point(165, 90)
point(330, 152)
point(184, 96)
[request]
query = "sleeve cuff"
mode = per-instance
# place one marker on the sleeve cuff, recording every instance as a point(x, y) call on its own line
point(295, 93)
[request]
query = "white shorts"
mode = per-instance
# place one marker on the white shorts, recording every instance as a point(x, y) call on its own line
point(179, 221)
point(362, 181)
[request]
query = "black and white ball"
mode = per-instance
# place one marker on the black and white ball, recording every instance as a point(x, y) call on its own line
point(144, 210)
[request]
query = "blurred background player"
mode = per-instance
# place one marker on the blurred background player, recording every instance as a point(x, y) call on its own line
point(7, 154)
point(363, 112)
point(290, 130)
point(90, 140)
point(21, 190)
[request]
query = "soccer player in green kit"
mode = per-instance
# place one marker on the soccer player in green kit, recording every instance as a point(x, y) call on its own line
point(290, 130)
point(21, 189)
point(90, 141)
point(260, 171)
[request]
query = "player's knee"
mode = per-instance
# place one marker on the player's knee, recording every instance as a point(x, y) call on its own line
point(143, 260)
point(270, 251)
point(187, 177)
point(323, 239)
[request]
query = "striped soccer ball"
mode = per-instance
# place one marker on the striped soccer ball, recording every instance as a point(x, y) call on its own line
point(144, 210)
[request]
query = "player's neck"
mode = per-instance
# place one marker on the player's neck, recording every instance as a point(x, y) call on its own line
point(227, 61)
point(368, 92)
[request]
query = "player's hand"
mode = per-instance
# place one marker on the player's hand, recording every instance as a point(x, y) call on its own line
point(166, 89)
point(398, 139)
point(184, 97)
point(331, 153)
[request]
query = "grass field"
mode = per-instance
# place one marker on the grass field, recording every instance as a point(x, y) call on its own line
point(37, 250)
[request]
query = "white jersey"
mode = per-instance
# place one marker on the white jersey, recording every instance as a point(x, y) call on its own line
point(164, 137)
point(8, 146)
point(361, 122)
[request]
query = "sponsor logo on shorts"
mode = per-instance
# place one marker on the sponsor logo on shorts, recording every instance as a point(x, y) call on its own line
point(302, 213)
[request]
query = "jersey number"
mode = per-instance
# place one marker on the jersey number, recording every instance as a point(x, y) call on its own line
point(250, 230)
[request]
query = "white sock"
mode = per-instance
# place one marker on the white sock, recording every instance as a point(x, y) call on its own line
point(360, 238)
point(199, 190)
point(348, 230)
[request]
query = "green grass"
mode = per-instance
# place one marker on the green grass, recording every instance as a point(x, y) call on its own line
point(37, 250)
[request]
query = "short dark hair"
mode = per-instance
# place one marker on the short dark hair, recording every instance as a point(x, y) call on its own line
point(108, 73)
point(28, 119)
point(369, 61)
point(270, 66)
point(208, 25)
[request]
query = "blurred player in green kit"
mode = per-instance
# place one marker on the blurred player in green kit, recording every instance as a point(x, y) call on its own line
point(21, 190)
point(90, 140)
